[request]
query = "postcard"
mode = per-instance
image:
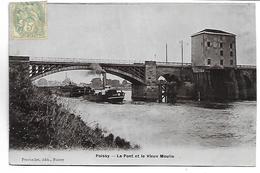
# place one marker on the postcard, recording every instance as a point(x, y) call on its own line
point(132, 84)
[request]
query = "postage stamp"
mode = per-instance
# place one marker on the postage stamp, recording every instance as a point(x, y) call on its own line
point(28, 20)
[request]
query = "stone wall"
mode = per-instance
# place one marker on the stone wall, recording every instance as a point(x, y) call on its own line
point(138, 92)
point(149, 91)
point(246, 83)
point(225, 84)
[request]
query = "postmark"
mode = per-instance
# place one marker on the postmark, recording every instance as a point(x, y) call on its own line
point(28, 20)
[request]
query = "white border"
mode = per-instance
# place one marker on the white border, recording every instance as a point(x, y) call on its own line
point(63, 169)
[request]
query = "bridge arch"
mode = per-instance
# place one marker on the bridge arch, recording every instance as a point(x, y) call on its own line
point(167, 72)
point(177, 74)
point(170, 77)
point(127, 76)
point(117, 72)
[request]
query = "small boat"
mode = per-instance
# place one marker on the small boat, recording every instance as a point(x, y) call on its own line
point(107, 95)
point(114, 96)
point(74, 90)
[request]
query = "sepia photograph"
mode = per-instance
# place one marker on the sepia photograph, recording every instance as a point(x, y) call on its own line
point(170, 84)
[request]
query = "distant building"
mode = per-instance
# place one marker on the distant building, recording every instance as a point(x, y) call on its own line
point(54, 83)
point(82, 84)
point(67, 81)
point(213, 48)
point(42, 82)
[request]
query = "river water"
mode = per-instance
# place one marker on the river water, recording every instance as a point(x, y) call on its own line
point(163, 125)
point(194, 134)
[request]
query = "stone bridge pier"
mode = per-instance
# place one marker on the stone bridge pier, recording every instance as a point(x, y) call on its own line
point(149, 90)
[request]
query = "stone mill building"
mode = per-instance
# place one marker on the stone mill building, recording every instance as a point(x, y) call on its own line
point(213, 48)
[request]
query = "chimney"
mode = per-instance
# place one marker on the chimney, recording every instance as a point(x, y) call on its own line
point(104, 79)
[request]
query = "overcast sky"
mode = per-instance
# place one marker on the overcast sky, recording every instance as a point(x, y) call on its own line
point(138, 31)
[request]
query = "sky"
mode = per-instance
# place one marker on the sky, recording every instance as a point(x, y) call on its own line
point(138, 31)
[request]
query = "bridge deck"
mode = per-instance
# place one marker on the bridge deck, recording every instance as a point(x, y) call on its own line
point(115, 62)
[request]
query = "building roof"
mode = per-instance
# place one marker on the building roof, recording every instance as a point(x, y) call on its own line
point(213, 31)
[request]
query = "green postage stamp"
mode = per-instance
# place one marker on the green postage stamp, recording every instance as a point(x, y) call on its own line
point(28, 20)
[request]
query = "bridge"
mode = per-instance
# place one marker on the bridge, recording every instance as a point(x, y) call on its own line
point(144, 75)
point(133, 71)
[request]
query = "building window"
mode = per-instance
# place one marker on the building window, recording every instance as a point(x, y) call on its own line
point(231, 45)
point(209, 61)
point(208, 44)
point(221, 53)
point(221, 45)
point(231, 53)
point(221, 62)
point(231, 62)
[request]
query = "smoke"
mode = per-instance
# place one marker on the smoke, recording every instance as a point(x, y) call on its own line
point(96, 69)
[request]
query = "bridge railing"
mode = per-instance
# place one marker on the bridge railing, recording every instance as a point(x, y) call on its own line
point(80, 60)
point(98, 61)
point(173, 64)
point(116, 61)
